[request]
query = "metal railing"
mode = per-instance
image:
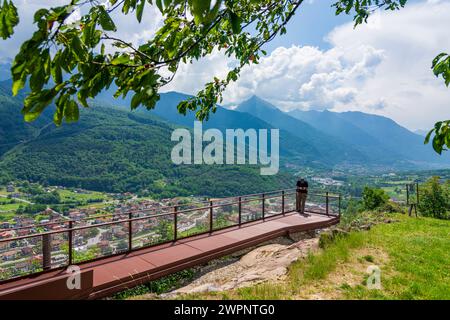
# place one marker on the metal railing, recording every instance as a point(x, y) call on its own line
point(82, 241)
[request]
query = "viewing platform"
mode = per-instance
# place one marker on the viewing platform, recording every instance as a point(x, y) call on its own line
point(180, 239)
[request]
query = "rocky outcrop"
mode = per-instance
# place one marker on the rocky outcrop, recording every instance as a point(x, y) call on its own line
point(266, 263)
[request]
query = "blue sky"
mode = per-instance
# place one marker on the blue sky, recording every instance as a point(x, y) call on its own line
point(322, 63)
point(311, 26)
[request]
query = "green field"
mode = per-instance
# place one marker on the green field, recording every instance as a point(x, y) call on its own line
point(6, 216)
point(412, 254)
point(9, 205)
point(396, 192)
point(70, 195)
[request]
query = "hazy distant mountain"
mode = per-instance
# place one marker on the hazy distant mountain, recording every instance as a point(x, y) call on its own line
point(300, 152)
point(377, 136)
point(330, 147)
point(5, 70)
point(395, 137)
point(421, 132)
point(338, 126)
point(315, 139)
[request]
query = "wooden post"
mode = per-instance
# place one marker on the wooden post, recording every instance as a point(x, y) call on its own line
point(407, 194)
point(282, 202)
point(339, 204)
point(327, 204)
point(417, 192)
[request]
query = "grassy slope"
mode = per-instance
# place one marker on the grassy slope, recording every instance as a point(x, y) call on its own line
point(413, 255)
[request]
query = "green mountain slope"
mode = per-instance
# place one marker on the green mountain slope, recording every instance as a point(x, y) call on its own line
point(395, 137)
point(115, 150)
point(329, 147)
point(381, 140)
point(337, 126)
point(292, 149)
point(13, 130)
point(377, 136)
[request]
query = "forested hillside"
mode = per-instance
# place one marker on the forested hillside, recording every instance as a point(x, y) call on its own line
point(116, 151)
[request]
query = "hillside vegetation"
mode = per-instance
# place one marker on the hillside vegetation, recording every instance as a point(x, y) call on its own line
point(117, 151)
point(413, 255)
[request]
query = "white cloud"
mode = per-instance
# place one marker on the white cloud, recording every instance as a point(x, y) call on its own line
point(306, 77)
point(403, 81)
point(290, 77)
point(191, 78)
point(128, 27)
point(382, 68)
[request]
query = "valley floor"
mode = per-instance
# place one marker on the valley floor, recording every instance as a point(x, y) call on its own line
point(412, 254)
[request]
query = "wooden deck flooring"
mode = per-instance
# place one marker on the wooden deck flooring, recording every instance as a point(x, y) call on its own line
point(113, 274)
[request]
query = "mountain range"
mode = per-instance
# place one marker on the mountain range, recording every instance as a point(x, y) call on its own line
point(316, 138)
point(380, 138)
point(321, 138)
point(114, 149)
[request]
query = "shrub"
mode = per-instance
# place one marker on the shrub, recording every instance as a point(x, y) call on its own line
point(47, 198)
point(391, 207)
point(374, 198)
point(434, 199)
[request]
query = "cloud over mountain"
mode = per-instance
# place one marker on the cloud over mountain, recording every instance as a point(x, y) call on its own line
point(382, 67)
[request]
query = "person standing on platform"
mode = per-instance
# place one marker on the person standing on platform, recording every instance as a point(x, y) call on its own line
point(302, 193)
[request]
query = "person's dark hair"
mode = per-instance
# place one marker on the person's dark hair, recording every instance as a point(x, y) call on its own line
point(302, 183)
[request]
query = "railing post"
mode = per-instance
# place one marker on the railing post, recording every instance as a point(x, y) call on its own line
point(327, 202)
point(339, 204)
point(240, 210)
point(70, 235)
point(407, 194)
point(130, 231)
point(46, 252)
point(210, 216)
point(282, 202)
point(175, 223)
point(417, 193)
point(263, 206)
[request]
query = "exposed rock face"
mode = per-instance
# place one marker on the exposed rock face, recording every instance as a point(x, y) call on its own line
point(266, 263)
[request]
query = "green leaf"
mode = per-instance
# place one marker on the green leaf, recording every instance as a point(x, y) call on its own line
point(441, 136)
point(427, 138)
point(36, 102)
point(123, 59)
point(437, 59)
point(78, 50)
point(136, 101)
point(56, 69)
point(159, 5)
point(9, 18)
point(17, 86)
point(105, 20)
point(71, 111)
point(235, 22)
point(140, 10)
